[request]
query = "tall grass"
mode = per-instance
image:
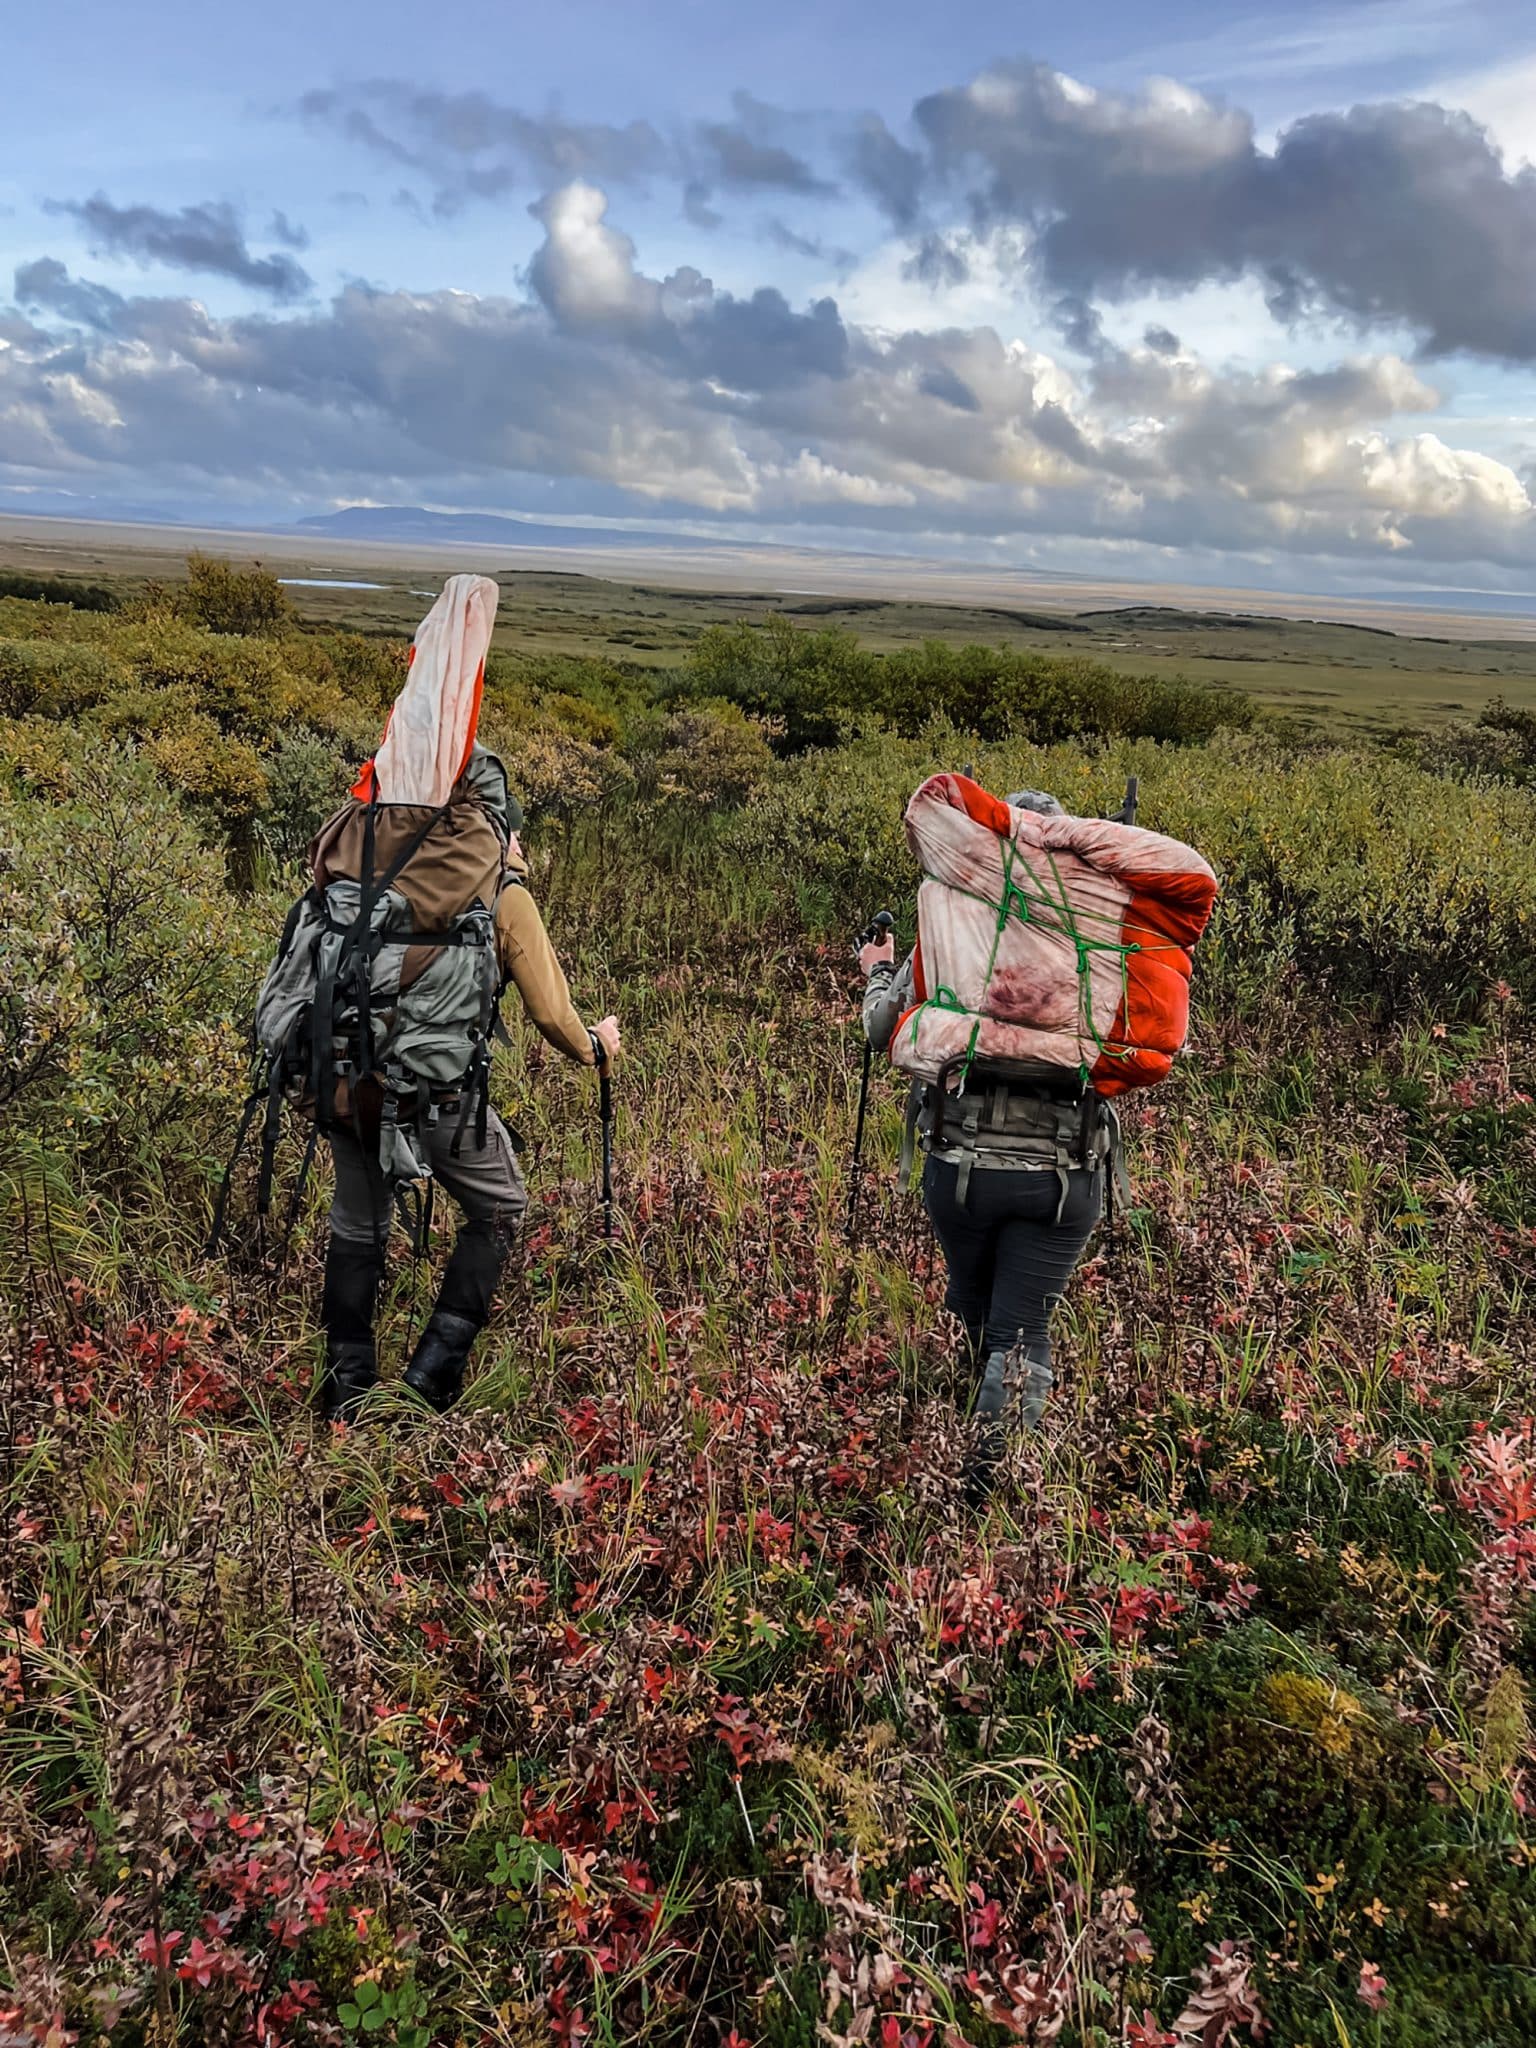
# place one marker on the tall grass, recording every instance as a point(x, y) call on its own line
point(667, 1692)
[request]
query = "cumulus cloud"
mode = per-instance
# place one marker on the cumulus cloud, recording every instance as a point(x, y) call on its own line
point(207, 238)
point(1397, 216)
point(1394, 215)
point(668, 392)
point(586, 275)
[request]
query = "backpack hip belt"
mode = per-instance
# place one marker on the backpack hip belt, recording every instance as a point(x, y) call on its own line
point(1002, 1124)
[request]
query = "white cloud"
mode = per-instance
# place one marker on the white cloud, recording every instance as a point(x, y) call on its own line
point(1504, 100)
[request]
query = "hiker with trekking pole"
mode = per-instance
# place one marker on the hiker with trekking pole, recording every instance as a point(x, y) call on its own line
point(1050, 976)
point(377, 1017)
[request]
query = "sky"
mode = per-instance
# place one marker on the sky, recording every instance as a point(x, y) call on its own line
point(1189, 294)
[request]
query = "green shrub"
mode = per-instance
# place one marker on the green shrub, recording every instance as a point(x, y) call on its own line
point(306, 779)
point(708, 756)
point(227, 599)
point(817, 685)
point(805, 682)
point(85, 597)
point(54, 679)
point(124, 979)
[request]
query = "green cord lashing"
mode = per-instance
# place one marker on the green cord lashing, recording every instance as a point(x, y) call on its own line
point(1016, 902)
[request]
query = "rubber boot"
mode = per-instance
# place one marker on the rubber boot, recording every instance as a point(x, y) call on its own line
point(352, 1275)
point(1015, 1388)
point(436, 1370)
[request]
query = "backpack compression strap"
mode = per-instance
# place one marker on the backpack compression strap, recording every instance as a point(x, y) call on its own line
point(351, 964)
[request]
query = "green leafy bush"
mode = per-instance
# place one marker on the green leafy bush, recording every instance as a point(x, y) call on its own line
point(817, 686)
point(125, 976)
point(226, 599)
point(85, 597)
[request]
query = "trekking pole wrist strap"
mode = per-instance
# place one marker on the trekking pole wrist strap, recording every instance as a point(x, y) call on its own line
point(599, 1052)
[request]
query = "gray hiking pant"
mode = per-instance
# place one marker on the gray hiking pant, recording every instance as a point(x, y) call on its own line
point(487, 1184)
point(1009, 1254)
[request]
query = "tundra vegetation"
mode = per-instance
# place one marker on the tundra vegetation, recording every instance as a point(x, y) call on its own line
point(666, 1692)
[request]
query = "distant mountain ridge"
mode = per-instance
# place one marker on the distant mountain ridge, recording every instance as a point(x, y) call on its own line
point(414, 522)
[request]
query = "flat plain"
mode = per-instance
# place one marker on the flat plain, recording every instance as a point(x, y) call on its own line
point(1365, 665)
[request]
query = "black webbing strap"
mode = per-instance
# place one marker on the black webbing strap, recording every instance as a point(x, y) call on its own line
point(475, 1100)
point(356, 949)
point(308, 1160)
point(271, 1131)
point(253, 1102)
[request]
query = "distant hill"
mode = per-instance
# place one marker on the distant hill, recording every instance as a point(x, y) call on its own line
point(413, 522)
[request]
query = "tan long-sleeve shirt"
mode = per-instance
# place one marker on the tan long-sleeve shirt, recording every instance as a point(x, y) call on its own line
point(530, 962)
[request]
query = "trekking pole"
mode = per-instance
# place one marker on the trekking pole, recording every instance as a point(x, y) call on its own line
point(1128, 808)
point(881, 926)
point(605, 1113)
point(605, 1120)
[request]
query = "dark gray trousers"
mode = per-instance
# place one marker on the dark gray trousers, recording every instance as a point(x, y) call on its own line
point(1009, 1255)
point(487, 1184)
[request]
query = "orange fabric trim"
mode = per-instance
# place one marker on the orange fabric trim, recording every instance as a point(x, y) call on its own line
point(474, 719)
point(1152, 1018)
point(980, 804)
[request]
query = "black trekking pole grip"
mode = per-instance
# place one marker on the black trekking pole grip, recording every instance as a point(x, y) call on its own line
point(880, 926)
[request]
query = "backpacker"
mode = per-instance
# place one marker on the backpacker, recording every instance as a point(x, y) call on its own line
point(1051, 972)
point(380, 1004)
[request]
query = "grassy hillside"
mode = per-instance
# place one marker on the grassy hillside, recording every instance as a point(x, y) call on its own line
point(667, 1692)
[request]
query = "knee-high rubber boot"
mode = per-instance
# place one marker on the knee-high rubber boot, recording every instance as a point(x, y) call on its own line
point(436, 1370)
point(1014, 1390)
point(353, 1272)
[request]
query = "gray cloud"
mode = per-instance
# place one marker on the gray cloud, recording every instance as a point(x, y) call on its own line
point(207, 238)
point(749, 152)
point(46, 286)
point(281, 229)
point(886, 170)
point(1390, 215)
point(473, 147)
point(941, 382)
point(938, 261)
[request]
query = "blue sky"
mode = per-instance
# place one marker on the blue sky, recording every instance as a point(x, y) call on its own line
point(1204, 295)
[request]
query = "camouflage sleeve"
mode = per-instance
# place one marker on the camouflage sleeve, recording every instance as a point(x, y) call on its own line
point(528, 959)
point(887, 998)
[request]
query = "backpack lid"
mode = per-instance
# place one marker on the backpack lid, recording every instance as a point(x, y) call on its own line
point(485, 781)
